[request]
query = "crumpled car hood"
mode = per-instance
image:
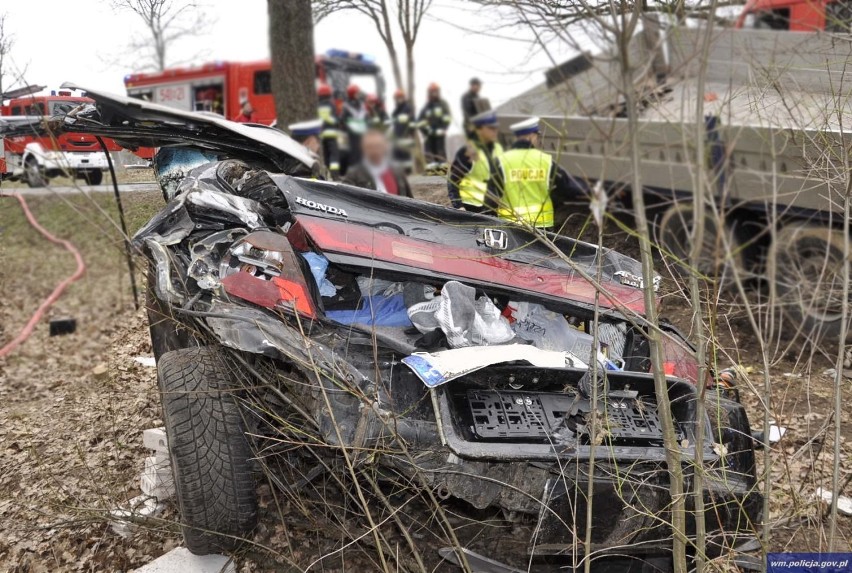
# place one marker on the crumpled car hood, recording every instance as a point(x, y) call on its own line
point(134, 123)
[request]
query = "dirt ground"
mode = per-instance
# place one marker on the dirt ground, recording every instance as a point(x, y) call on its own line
point(72, 408)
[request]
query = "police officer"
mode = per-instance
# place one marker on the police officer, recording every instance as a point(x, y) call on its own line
point(327, 112)
point(433, 121)
point(525, 180)
point(470, 172)
point(308, 134)
point(402, 130)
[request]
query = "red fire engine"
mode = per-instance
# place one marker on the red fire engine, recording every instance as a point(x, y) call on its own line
point(222, 87)
point(797, 15)
point(35, 158)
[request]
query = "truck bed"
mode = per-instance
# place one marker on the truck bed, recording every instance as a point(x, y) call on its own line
point(782, 101)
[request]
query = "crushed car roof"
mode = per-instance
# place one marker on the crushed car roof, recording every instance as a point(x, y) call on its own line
point(135, 123)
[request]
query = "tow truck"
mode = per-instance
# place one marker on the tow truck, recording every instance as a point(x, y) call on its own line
point(37, 158)
point(773, 126)
point(222, 87)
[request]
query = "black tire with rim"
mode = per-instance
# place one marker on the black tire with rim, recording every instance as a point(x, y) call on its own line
point(93, 177)
point(210, 452)
point(33, 174)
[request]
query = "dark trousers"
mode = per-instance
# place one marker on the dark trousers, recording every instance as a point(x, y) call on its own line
point(435, 149)
point(476, 208)
point(331, 155)
point(401, 154)
point(353, 156)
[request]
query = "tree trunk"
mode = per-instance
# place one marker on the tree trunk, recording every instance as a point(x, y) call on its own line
point(397, 72)
point(419, 159)
point(386, 32)
point(291, 47)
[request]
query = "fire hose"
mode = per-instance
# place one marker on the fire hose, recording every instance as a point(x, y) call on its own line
point(28, 328)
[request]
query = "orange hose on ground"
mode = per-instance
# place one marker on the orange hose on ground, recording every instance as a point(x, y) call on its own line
point(57, 292)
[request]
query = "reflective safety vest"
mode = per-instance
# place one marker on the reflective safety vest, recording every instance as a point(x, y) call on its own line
point(526, 187)
point(474, 185)
point(325, 111)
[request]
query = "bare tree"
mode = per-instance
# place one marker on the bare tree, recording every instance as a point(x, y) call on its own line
point(167, 22)
point(291, 45)
point(392, 19)
point(410, 15)
point(379, 13)
point(6, 43)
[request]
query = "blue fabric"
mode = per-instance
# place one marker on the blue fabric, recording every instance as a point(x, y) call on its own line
point(319, 264)
point(484, 118)
point(376, 310)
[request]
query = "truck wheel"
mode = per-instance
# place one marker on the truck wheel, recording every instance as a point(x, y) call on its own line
point(808, 275)
point(93, 177)
point(674, 240)
point(33, 174)
point(209, 450)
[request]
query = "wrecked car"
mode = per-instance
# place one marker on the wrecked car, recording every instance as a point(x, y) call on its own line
point(354, 332)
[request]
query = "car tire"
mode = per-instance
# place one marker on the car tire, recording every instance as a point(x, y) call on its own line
point(210, 452)
point(95, 177)
point(33, 174)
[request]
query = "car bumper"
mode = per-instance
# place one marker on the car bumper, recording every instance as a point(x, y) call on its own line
point(74, 161)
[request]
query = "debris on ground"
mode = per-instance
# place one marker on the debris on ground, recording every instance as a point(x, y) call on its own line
point(180, 560)
point(844, 503)
point(146, 361)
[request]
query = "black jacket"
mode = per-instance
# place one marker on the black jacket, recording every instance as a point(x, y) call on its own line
point(468, 105)
point(358, 176)
point(461, 166)
point(434, 118)
point(403, 121)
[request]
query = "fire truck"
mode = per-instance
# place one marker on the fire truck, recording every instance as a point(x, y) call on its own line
point(36, 158)
point(797, 15)
point(222, 87)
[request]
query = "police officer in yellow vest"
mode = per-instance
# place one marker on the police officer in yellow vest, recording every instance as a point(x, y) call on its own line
point(470, 172)
point(526, 179)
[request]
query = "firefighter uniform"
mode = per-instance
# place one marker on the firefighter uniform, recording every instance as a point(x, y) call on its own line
point(327, 112)
point(525, 180)
point(433, 121)
point(470, 172)
point(402, 131)
point(377, 116)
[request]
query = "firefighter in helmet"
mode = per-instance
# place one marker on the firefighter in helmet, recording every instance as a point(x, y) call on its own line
point(402, 130)
point(433, 121)
point(377, 116)
point(327, 112)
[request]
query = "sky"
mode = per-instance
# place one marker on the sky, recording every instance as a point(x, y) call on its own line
point(85, 42)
